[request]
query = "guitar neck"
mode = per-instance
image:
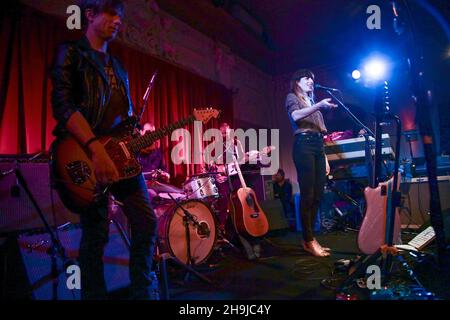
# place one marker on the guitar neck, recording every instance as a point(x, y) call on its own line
point(142, 142)
point(238, 169)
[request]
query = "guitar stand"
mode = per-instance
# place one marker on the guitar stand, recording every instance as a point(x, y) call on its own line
point(387, 251)
point(386, 254)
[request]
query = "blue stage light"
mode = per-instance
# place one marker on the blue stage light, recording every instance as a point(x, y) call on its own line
point(356, 74)
point(375, 69)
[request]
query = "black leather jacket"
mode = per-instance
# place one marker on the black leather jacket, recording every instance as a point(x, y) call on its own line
point(80, 84)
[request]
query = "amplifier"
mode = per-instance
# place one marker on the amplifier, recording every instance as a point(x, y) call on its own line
point(260, 184)
point(28, 269)
point(416, 201)
point(17, 212)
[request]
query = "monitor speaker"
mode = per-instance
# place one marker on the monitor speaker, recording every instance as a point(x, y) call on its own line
point(275, 214)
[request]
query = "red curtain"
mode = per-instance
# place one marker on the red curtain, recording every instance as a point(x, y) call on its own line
point(28, 38)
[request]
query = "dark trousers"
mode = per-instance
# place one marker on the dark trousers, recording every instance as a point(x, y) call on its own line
point(95, 226)
point(309, 159)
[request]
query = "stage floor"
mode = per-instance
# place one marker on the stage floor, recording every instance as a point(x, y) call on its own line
point(284, 272)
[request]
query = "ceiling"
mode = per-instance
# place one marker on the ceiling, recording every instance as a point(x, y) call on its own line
point(281, 35)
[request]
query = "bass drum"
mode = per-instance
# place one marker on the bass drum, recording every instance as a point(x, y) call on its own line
point(172, 231)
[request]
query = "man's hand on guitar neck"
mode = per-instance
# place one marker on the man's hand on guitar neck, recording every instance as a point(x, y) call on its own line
point(105, 170)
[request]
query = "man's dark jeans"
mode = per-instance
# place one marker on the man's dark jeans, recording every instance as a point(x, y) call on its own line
point(95, 225)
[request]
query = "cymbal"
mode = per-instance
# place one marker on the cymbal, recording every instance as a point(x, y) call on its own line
point(163, 188)
point(203, 174)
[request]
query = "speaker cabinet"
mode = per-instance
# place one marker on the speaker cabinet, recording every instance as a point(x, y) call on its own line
point(36, 264)
point(262, 185)
point(17, 210)
point(275, 214)
point(416, 201)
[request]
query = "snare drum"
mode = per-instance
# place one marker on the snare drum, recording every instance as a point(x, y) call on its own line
point(172, 231)
point(200, 188)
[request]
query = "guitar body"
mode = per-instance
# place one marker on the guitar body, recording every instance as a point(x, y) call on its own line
point(73, 172)
point(372, 234)
point(248, 217)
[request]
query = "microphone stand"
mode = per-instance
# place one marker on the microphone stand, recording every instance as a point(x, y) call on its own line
point(352, 116)
point(56, 249)
point(189, 218)
point(368, 133)
point(162, 258)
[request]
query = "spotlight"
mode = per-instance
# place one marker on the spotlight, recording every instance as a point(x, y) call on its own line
point(375, 69)
point(356, 74)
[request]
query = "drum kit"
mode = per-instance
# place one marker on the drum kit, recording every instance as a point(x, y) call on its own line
point(188, 218)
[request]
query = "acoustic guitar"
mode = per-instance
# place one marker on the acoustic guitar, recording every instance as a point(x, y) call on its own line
point(248, 217)
point(73, 171)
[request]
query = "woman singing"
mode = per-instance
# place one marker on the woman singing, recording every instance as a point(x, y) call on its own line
point(308, 153)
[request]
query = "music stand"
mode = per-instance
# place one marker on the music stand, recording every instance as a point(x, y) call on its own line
point(345, 197)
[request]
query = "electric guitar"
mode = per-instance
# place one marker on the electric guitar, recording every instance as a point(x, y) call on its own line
point(373, 232)
point(248, 217)
point(374, 229)
point(73, 171)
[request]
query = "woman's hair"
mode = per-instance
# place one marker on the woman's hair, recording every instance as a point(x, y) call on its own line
point(98, 6)
point(296, 77)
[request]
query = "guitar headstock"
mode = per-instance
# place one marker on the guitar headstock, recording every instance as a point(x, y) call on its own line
point(204, 115)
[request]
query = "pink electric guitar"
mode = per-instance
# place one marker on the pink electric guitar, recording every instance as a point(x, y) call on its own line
point(372, 234)
point(375, 228)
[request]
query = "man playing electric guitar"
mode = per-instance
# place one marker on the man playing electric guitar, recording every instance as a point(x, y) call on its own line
point(90, 97)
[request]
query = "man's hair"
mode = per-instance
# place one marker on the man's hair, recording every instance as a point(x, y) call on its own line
point(98, 6)
point(280, 172)
point(300, 74)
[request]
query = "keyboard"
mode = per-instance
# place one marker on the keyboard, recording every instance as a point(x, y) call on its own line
point(354, 150)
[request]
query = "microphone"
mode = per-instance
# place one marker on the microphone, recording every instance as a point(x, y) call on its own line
point(150, 86)
point(146, 95)
point(318, 86)
point(203, 230)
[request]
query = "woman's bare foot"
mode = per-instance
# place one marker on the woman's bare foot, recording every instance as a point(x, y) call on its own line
point(323, 248)
point(315, 249)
